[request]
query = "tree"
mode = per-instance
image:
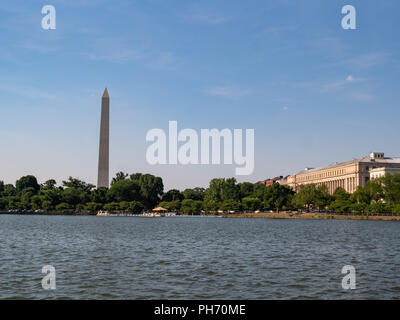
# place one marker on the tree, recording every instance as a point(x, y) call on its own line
point(93, 206)
point(222, 189)
point(63, 206)
point(99, 195)
point(48, 185)
point(136, 207)
point(172, 195)
point(246, 189)
point(258, 191)
point(251, 204)
point(372, 191)
point(306, 196)
point(171, 205)
point(311, 196)
point(78, 184)
point(391, 188)
point(124, 190)
point(230, 205)
point(9, 190)
point(118, 177)
point(277, 196)
point(1, 187)
point(190, 206)
point(341, 206)
point(27, 182)
point(194, 194)
point(151, 188)
point(341, 194)
point(73, 197)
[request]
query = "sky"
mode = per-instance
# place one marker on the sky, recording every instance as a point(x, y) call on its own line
point(313, 92)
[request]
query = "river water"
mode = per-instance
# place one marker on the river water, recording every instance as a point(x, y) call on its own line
point(197, 258)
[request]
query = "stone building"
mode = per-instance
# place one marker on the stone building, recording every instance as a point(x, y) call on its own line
point(348, 175)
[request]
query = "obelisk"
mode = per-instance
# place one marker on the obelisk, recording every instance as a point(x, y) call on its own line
point(104, 151)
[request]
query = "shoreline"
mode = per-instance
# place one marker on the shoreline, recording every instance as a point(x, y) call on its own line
point(311, 215)
point(263, 215)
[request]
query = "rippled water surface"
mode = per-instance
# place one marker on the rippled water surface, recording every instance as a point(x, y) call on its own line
point(197, 258)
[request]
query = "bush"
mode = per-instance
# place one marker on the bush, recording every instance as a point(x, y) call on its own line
point(63, 206)
point(341, 206)
point(379, 207)
point(93, 206)
point(396, 209)
point(136, 207)
point(358, 208)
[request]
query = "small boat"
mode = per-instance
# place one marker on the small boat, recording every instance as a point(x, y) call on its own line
point(102, 213)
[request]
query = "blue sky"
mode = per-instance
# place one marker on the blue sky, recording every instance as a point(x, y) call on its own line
point(313, 92)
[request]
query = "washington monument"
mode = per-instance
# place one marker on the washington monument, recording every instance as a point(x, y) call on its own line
point(103, 173)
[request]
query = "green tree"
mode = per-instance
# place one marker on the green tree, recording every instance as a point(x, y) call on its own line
point(391, 188)
point(151, 188)
point(27, 182)
point(230, 205)
point(222, 189)
point(63, 206)
point(78, 184)
point(118, 177)
point(341, 194)
point(190, 206)
point(9, 190)
point(124, 190)
point(277, 196)
point(246, 189)
point(73, 197)
point(93, 207)
point(136, 207)
point(48, 185)
point(194, 194)
point(99, 195)
point(172, 195)
point(251, 204)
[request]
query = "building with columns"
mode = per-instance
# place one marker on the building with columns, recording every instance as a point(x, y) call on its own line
point(347, 175)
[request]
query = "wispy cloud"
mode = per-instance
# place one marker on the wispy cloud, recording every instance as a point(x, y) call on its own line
point(338, 84)
point(111, 50)
point(164, 61)
point(26, 91)
point(275, 31)
point(367, 60)
point(362, 96)
point(207, 17)
point(230, 92)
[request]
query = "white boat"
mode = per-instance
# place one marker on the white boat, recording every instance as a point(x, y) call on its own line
point(102, 213)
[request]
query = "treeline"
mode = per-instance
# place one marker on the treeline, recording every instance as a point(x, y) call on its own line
point(138, 192)
point(134, 193)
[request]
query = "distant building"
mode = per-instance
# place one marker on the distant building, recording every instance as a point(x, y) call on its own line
point(270, 182)
point(347, 175)
point(381, 172)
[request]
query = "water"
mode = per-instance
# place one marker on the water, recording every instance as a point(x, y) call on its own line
point(197, 258)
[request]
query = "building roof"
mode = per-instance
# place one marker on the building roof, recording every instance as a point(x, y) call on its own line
point(354, 161)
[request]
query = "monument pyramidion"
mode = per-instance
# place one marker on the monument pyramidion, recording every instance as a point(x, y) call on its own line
point(104, 146)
